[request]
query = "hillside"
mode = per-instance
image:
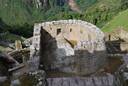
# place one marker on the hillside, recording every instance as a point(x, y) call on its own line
point(18, 16)
point(84, 4)
point(121, 20)
point(18, 12)
point(104, 10)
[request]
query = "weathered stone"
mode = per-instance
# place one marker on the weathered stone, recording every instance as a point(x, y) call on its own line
point(71, 46)
point(15, 83)
point(18, 45)
point(106, 80)
point(2, 79)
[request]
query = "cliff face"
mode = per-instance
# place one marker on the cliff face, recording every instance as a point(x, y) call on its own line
point(45, 4)
point(48, 3)
point(42, 3)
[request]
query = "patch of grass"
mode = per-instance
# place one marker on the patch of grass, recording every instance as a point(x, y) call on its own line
point(121, 20)
point(84, 4)
point(2, 48)
point(11, 37)
point(19, 16)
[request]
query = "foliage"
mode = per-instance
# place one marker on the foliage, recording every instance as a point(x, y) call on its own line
point(84, 4)
point(19, 16)
point(120, 21)
point(8, 37)
point(103, 11)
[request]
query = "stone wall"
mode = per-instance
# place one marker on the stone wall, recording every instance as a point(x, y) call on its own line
point(71, 46)
point(106, 80)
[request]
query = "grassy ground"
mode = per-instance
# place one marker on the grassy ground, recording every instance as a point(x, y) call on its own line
point(2, 48)
point(12, 37)
point(120, 21)
point(9, 38)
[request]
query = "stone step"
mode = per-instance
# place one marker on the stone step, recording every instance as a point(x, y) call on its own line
point(82, 81)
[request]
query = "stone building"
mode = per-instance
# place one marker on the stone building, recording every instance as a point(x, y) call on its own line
point(70, 46)
point(117, 41)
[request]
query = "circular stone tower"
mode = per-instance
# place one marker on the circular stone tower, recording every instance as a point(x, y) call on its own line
point(70, 46)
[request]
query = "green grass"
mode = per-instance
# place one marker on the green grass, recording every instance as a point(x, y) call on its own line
point(84, 4)
point(11, 37)
point(120, 21)
point(13, 13)
point(103, 10)
point(2, 48)
point(18, 12)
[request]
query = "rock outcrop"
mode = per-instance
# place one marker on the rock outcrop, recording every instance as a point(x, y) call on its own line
point(46, 4)
point(73, 5)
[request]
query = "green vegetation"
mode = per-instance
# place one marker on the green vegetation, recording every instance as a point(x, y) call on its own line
point(84, 4)
point(120, 21)
point(19, 16)
point(2, 48)
point(10, 37)
point(104, 10)
point(18, 12)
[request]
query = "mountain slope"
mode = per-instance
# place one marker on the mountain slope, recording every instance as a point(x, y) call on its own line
point(120, 21)
point(18, 16)
point(10, 11)
point(84, 4)
point(14, 12)
point(103, 11)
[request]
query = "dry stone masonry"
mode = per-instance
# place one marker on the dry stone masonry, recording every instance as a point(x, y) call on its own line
point(70, 46)
point(107, 80)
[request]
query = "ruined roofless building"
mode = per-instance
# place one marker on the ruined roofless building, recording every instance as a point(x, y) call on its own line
point(70, 46)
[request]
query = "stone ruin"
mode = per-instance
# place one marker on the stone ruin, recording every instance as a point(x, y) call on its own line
point(71, 52)
point(117, 41)
point(69, 46)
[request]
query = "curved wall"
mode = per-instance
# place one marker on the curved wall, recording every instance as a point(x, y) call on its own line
point(71, 46)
